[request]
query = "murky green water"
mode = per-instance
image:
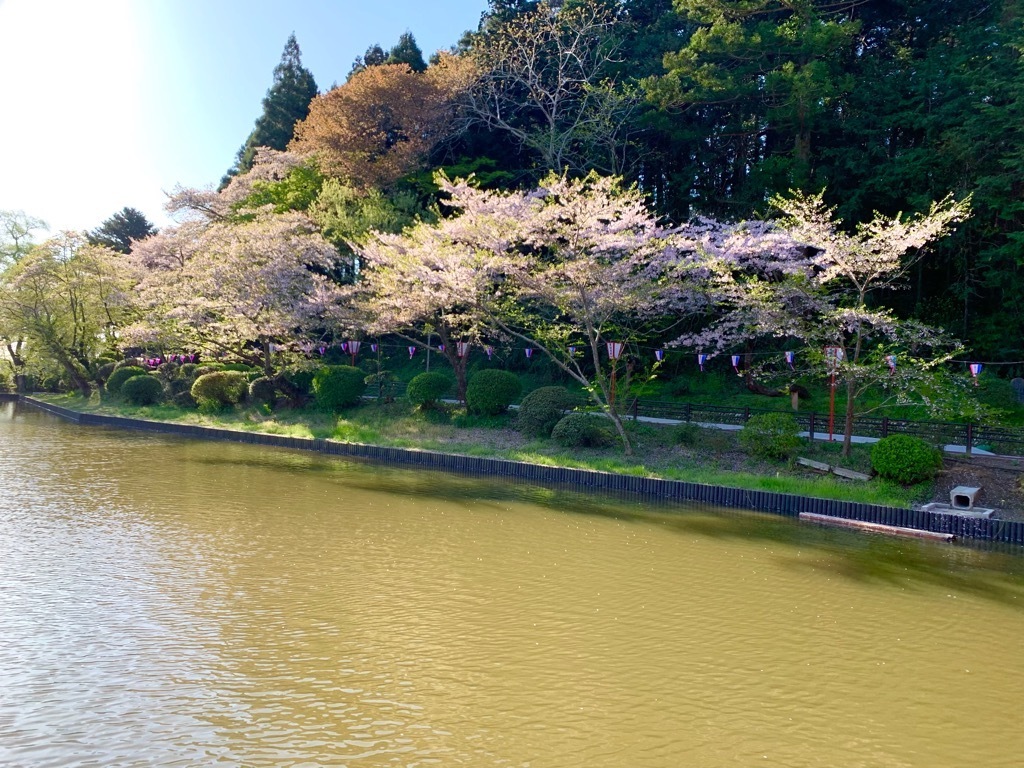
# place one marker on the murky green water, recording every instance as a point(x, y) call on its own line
point(176, 603)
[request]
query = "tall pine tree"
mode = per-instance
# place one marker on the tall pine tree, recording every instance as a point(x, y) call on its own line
point(285, 104)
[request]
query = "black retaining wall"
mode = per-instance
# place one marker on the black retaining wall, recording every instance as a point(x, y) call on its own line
point(1006, 531)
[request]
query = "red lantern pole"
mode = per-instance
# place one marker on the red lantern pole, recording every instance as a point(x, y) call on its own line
point(833, 355)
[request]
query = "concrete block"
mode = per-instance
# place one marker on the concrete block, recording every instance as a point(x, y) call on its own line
point(963, 497)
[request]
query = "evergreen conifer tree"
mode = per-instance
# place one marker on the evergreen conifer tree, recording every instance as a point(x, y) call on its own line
point(287, 102)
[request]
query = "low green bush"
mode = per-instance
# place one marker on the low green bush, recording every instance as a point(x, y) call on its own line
point(219, 389)
point(427, 388)
point(491, 391)
point(143, 390)
point(687, 434)
point(338, 386)
point(580, 430)
point(120, 375)
point(542, 409)
point(905, 459)
point(771, 436)
point(240, 367)
point(262, 391)
point(188, 371)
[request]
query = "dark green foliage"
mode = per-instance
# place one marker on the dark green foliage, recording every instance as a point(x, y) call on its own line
point(905, 459)
point(491, 391)
point(104, 371)
point(143, 390)
point(542, 409)
point(687, 434)
point(285, 104)
point(580, 430)
point(262, 391)
point(188, 371)
point(184, 400)
point(427, 388)
point(205, 368)
point(220, 389)
point(406, 51)
point(121, 229)
point(373, 57)
point(120, 375)
point(124, 363)
point(241, 367)
point(301, 378)
point(177, 386)
point(338, 386)
point(771, 435)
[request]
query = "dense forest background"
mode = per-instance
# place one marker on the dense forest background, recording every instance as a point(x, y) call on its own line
point(711, 107)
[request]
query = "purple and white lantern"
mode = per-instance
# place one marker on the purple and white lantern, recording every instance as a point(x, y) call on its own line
point(412, 351)
point(489, 350)
point(890, 360)
point(529, 352)
point(701, 359)
point(462, 348)
point(614, 349)
point(736, 364)
point(790, 357)
point(659, 355)
point(353, 347)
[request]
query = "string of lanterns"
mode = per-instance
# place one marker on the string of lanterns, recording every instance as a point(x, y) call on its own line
point(615, 349)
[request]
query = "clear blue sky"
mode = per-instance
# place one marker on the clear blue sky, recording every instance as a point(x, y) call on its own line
point(110, 103)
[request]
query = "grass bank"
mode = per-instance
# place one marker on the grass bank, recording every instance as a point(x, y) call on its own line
point(696, 455)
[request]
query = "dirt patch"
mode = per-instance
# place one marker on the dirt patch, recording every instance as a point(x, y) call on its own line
point(1000, 480)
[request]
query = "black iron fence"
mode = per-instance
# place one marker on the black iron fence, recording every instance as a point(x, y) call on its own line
point(1001, 440)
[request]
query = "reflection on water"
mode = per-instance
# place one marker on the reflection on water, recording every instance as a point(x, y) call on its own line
point(168, 602)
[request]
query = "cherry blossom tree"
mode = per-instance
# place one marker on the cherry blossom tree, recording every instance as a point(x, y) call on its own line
point(224, 286)
point(806, 277)
point(850, 266)
point(565, 269)
point(67, 299)
point(437, 279)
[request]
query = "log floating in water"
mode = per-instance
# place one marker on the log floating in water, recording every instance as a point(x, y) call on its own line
point(892, 530)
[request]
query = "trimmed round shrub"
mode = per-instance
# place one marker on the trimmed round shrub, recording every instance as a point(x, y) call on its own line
point(133, 361)
point(905, 459)
point(188, 370)
point(771, 435)
point(338, 386)
point(427, 388)
point(120, 375)
point(542, 409)
point(143, 390)
point(220, 389)
point(579, 430)
point(262, 390)
point(491, 391)
point(205, 368)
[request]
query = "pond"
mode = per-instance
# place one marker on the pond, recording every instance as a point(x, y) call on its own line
point(174, 602)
